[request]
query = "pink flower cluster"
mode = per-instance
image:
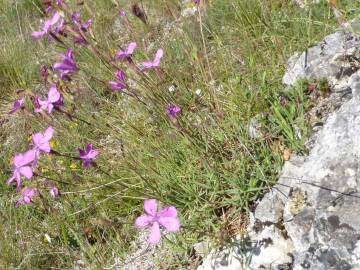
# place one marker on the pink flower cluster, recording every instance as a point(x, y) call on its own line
point(24, 164)
point(48, 26)
point(127, 54)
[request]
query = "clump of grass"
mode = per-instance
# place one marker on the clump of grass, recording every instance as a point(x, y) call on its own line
point(223, 68)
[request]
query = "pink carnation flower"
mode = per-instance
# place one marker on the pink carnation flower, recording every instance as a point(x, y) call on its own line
point(46, 28)
point(53, 99)
point(166, 217)
point(21, 168)
point(42, 143)
point(155, 63)
point(18, 104)
point(88, 155)
point(120, 84)
point(27, 196)
point(121, 55)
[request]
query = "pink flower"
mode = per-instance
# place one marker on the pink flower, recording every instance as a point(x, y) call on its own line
point(167, 218)
point(18, 104)
point(21, 168)
point(47, 26)
point(42, 142)
point(59, 29)
point(26, 196)
point(155, 62)
point(54, 192)
point(86, 26)
point(67, 66)
point(120, 84)
point(173, 110)
point(122, 13)
point(88, 155)
point(53, 99)
point(76, 18)
point(121, 55)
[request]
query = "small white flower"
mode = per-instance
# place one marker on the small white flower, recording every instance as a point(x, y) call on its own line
point(198, 92)
point(212, 82)
point(220, 88)
point(47, 238)
point(172, 88)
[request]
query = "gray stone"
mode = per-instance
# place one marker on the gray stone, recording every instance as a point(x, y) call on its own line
point(335, 58)
point(263, 249)
point(254, 127)
point(202, 248)
point(305, 3)
point(270, 209)
point(326, 228)
point(310, 218)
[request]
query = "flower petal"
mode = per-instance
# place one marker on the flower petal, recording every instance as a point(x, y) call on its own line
point(93, 154)
point(120, 74)
point(45, 147)
point(38, 34)
point(38, 139)
point(18, 104)
point(62, 66)
point(53, 94)
point(70, 53)
point(131, 48)
point(120, 55)
point(50, 107)
point(11, 179)
point(143, 221)
point(150, 207)
point(170, 223)
point(26, 171)
point(87, 163)
point(89, 147)
point(116, 86)
point(147, 64)
point(48, 133)
point(86, 26)
point(169, 212)
point(29, 156)
point(27, 199)
point(23, 159)
point(158, 56)
point(54, 192)
point(82, 153)
point(155, 234)
point(55, 18)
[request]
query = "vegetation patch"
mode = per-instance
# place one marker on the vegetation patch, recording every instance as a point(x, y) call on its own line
point(125, 102)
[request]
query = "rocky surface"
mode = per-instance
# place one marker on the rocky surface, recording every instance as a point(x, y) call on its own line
point(310, 219)
point(335, 58)
point(305, 3)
